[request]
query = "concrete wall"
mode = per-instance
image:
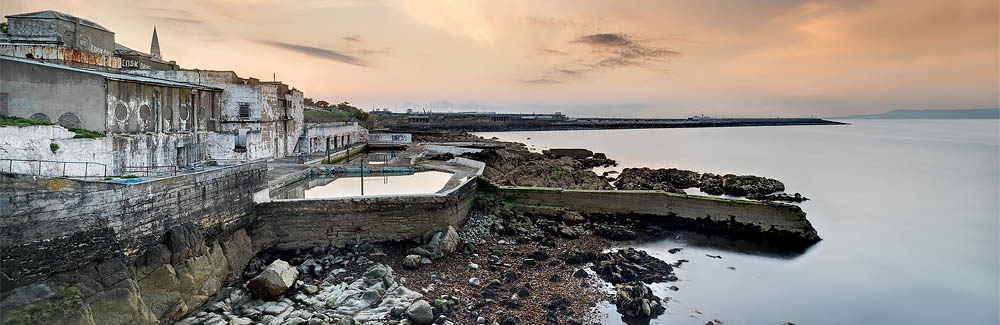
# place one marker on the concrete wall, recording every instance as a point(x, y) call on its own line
point(136, 108)
point(52, 225)
point(63, 55)
point(307, 223)
point(112, 151)
point(333, 136)
point(33, 89)
point(271, 128)
point(773, 220)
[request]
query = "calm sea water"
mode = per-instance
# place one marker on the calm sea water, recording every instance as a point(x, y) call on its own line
point(908, 211)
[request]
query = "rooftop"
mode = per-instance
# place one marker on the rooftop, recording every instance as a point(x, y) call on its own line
point(114, 76)
point(52, 14)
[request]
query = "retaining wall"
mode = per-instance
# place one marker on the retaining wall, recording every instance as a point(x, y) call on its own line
point(308, 223)
point(51, 225)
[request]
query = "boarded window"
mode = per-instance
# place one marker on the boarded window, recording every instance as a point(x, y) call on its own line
point(245, 110)
point(241, 140)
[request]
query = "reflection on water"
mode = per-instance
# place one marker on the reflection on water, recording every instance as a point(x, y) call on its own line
point(417, 183)
point(907, 210)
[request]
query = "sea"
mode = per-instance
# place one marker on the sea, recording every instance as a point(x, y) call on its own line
point(909, 213)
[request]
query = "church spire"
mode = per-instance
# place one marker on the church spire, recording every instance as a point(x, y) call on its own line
point(154, 48)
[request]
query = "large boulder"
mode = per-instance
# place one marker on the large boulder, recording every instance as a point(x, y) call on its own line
point(274, 280)
point(572, 153)
point(449, 241)
point(420, 312)
point(635, 299)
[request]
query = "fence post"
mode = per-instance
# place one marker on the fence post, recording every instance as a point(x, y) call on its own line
point(86, 166)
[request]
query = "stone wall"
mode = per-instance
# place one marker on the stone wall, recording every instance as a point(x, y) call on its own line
point(46, 93)
point(720, 215)
point(308, 223)
point(53, 225)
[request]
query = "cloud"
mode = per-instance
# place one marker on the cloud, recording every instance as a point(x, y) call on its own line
point(545, 51)
point(318, 52)
point(606, 39)
point(353, 38)
point(621, 50)
point(542, 81)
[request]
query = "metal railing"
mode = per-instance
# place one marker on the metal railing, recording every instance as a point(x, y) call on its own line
point(39, 162)
point(147, 170)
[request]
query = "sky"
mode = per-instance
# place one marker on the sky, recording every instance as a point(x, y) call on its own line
point(659, 58)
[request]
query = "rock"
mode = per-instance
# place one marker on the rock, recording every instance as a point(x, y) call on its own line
point(669, 180)
point(674, 250)
point(529, 261)
point(425, 261)
point(506, 319)
point(674, 288)
point(572, 153)
point(473, 266)
point(629, 264)
point(481, 320)
point(273, 281)
point(567, 232)
point(777, 197)
point(576, 256)
point(635, 299)
point(615, 232)
point(449, 241)
point(443, 156)
point(713, 256)
point(580, 273)
point(420, 312)
point(411, 261)
point(740, 185)
point(423, 252)
point(474, 282)
point(310, 289)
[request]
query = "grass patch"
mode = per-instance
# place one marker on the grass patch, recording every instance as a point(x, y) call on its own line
point(20, 121)
point(129, 176)
point(86, 134)
point(52, 311)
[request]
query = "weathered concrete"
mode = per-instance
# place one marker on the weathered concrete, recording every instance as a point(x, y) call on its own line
point(742, 217)
point(308, 223)
point(53, 225)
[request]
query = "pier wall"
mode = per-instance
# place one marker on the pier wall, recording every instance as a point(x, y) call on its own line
point(777, 221)
point(308, 223)
point(49, 225)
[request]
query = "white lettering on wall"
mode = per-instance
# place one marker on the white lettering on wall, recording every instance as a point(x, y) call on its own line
point(134, 64)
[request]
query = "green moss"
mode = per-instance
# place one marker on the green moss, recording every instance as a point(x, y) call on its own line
point(346, 157)
point(20, 121)
point(86, 134)
point(54, 147)
point(129, 176)
point(65, 304)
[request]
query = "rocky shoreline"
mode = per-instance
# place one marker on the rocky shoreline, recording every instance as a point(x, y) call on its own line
point(504, 265)
point(489, 271)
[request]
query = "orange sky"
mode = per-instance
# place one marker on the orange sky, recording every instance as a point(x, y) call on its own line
point(584, 58)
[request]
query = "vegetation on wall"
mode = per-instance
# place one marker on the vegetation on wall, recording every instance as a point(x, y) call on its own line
point(3, 28)
point(86, 134)
point(54, 147)
point(20, 121)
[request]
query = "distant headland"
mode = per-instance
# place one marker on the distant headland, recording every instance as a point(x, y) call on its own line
point(933, 114)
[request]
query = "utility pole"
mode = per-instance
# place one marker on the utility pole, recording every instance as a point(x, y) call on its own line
point(362, 178)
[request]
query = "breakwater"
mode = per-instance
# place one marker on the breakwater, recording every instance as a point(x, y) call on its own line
point(490, 123)
point(714, 215)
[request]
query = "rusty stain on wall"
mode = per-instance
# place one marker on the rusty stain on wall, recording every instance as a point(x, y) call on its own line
point(57, 53)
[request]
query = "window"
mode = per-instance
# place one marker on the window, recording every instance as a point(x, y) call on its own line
point(241, 140)
point(244, 110)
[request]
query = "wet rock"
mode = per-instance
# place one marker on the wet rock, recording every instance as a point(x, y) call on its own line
point(576, 256)
point(572, 153)
point(785, 197)
point(713, 256)
point(277, 278)
point(629, 264)
point(420, 312)
point(615, 232)
point(580, 273)
point(670, 180)
point(635, 299)
point(674, 250)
